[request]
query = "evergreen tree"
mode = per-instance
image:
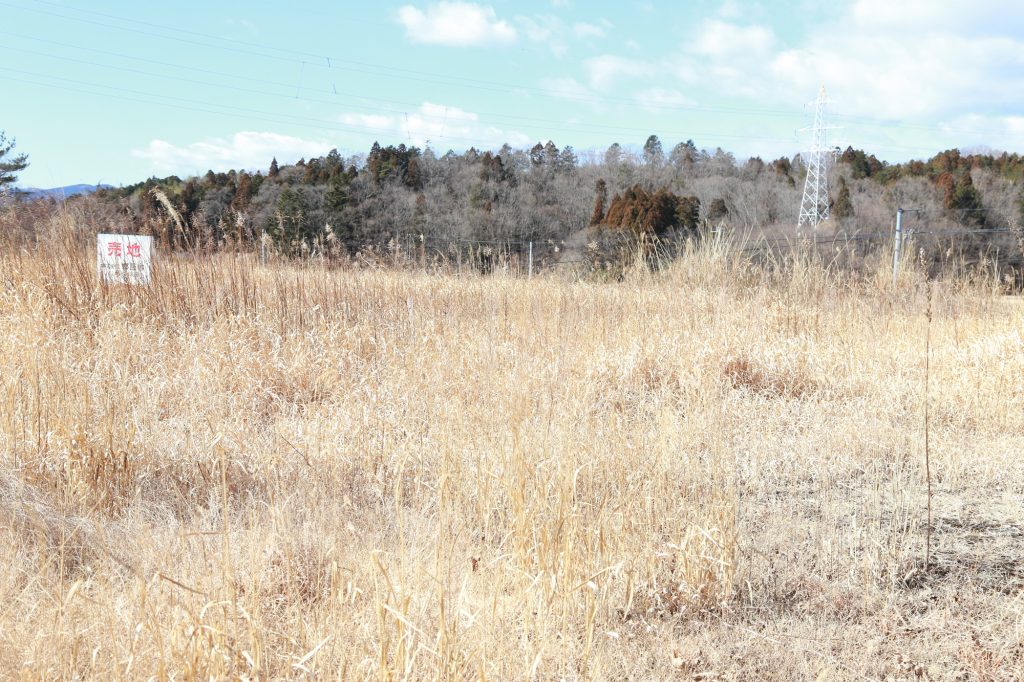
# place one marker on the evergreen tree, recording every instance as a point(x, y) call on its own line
point(861, 164)
point(967, 201)
point(613, 156)
point(683, 155)
point(551, 155)
point(413, 178)
point(10, 165)
point(654, 154)
point(290, 224)
point(567, 160)
point(657, 212)
point(333, 163)
point(718, 210)
point(336, 202)
point(843, 207)
point(537, 155)
point(947, 185)
point(191, 195)
point(601, 198)
point(243, 193)
point(272, 173)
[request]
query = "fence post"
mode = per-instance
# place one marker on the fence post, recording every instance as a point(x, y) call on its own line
point(529, 266)
point(897, 243)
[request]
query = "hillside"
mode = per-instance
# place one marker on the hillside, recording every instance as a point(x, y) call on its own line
point(59, 193)
point(547, 194)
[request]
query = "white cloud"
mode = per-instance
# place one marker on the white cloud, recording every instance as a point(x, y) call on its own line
point(912, 59)
point(455, 24)
point(721, 38)
point(545, 30)
point(605, 70)
point(997, 132)
point(914, 17)
point(242, 150)
point(935, 75)
point(438, 124)
point(726, 56)
point(910, 74)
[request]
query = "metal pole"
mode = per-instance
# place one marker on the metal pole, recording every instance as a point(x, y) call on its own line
point(529, 270)
point(897, 243)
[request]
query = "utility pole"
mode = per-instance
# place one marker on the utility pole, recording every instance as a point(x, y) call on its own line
point(897, 243)
point(814, 205)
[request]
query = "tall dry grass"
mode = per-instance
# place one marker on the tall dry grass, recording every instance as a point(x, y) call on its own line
point(714, 471)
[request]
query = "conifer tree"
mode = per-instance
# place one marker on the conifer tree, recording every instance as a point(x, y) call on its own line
point(967, 201)
point(654, 154)
point(11, 165)
point(613, 156)
point(718, 210)
point(843, 207)
point(601, 190)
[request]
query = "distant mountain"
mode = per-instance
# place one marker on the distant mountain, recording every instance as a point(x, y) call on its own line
point(61, 192)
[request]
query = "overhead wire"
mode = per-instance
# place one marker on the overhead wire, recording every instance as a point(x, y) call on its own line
point(410, 74)
point(322, 61)
point(550, 124)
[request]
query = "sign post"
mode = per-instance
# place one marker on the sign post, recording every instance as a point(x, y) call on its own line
point(124, 258)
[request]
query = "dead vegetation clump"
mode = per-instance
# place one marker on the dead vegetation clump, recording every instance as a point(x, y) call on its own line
point(743, 373)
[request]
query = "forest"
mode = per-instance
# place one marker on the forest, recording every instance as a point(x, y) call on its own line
point(548, 195)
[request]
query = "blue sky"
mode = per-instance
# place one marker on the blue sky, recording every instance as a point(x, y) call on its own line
point(114, 92)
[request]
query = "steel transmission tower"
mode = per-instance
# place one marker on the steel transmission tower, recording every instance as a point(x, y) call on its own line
point(814, 206)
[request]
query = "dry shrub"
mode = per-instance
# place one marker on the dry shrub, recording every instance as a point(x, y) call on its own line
point(743, 373)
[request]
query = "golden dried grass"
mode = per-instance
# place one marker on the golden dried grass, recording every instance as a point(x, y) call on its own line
point(287, 471)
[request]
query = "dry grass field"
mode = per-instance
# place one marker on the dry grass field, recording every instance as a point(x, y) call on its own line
point(709, 472)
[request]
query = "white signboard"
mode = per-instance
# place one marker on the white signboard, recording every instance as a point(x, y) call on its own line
point(124, 258)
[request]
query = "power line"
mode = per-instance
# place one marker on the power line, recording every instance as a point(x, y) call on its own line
point(191, 105)
point(327, 61)
point(434, 77)
point(203, 107)
point(449, 80)
point(584, 127)
point(550, 124)
point(439, 78)
point(396, 72)
point(254, 115)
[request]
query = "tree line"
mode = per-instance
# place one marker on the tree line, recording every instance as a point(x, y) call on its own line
point(548, 194)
